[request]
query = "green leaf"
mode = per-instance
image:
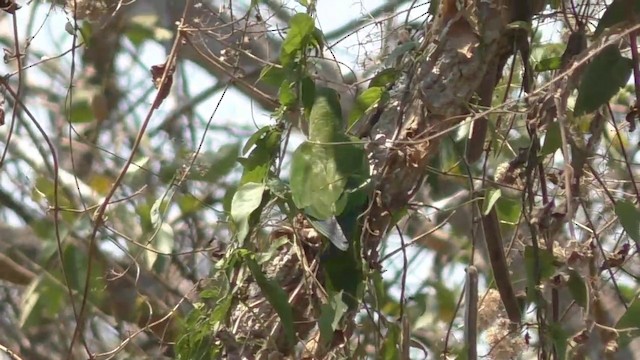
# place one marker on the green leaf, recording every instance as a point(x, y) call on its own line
point(384, 78)
point(617, 12)
point(603, 77)
point(316, 184)
point(552, 140)
point(629, 217)
point(325, 119)
point(365, 101)
point(245, 201)
point(301, 28)
point(330, 316)
point(548, 64)
point(491, 196)
point(277, 297)
point(577, 288)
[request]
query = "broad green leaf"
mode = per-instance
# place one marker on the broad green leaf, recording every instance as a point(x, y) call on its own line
point(602, 79)
point(277, 297)
point(301, 28)
point(491, 196)
point(330, 316)
point(617, 12)
point(325, 120)
point(245, 201)
point(578, 288)
point(365, 101)
point(548, 64)
point(552, 140)
point(316, 184)
point(629, 217)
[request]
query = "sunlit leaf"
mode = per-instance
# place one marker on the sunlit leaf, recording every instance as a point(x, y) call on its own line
point(245, 201)
point(301, 28)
